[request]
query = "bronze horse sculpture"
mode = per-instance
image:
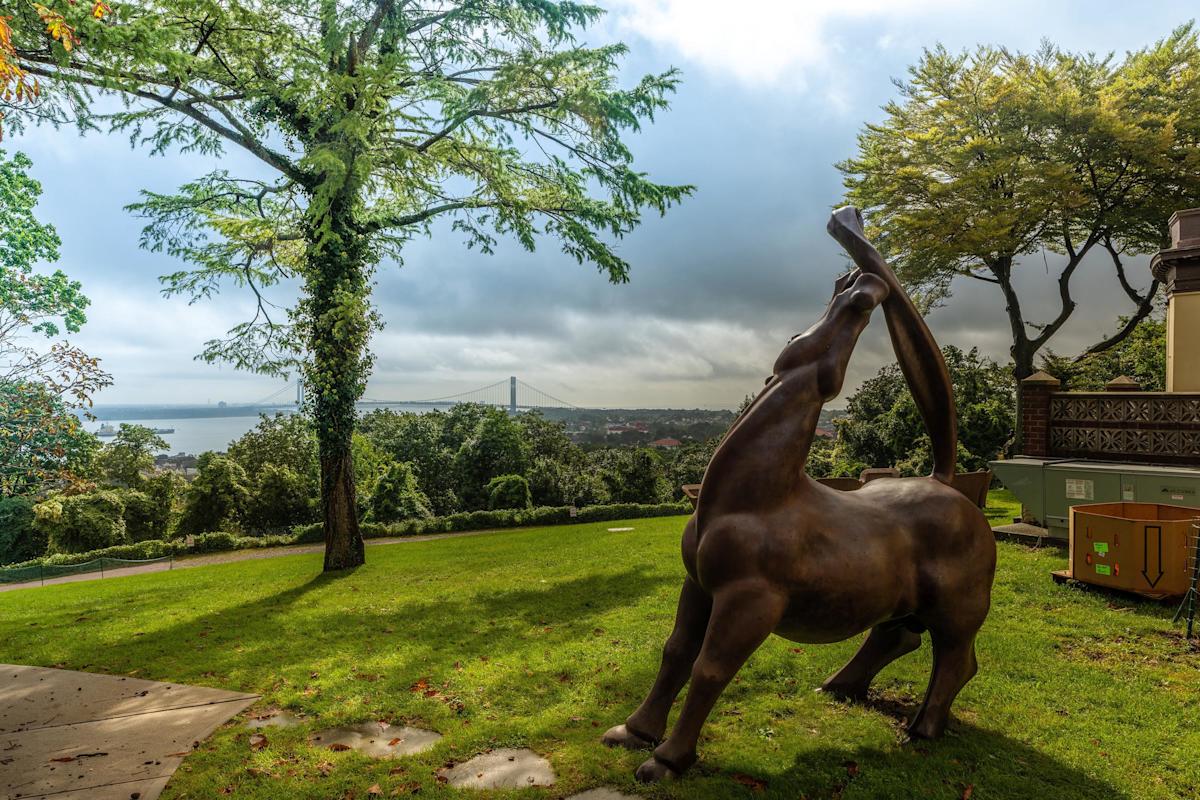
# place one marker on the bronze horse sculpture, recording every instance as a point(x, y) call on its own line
point(770, 550)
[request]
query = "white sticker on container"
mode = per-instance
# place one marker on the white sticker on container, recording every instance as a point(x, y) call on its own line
point(1081, 489)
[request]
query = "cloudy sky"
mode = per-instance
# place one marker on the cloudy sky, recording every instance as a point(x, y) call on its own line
point(773, 96)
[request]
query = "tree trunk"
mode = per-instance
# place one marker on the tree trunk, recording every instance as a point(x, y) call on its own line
point(1022, 369)
point(337, 316)
point(343, 540)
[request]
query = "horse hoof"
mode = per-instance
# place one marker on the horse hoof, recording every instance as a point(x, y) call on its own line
point(920, 729)
point(847, 694)
point(654, 771)
point(621, 736)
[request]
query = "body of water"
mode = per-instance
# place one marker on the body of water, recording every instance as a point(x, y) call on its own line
point(192, 434)
point(196, 434)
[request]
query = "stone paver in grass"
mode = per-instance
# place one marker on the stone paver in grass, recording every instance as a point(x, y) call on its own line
point(500, 769)
point(376, 739)
point(275, 718)
point(71, 735)
point(602, 794)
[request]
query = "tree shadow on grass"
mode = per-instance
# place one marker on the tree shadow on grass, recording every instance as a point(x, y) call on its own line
point(248, 645)
point(971, 763)
point(968, 762)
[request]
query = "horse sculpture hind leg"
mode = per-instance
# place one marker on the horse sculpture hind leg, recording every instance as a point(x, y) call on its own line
point(884, 644)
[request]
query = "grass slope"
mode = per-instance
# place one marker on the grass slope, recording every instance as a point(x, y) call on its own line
point(545, 637)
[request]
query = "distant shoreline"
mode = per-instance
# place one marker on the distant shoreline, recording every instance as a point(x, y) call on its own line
point(109, 413)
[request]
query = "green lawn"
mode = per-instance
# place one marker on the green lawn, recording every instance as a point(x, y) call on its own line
point(544, 638)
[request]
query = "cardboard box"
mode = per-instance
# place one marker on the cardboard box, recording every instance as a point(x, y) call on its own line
point(1145, 548)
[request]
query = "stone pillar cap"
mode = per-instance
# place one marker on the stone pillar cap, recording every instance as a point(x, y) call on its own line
point(1123, 383)
point(1184, 225)
point(1041, 378)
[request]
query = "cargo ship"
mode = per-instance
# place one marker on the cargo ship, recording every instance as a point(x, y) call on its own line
point(109, 430)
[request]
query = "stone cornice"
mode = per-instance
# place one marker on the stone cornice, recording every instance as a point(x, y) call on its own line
point(1178, 268)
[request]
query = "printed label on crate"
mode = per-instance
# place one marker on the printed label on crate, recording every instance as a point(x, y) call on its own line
point(1081, 489)
point(1103, 569)
point(1101, 548)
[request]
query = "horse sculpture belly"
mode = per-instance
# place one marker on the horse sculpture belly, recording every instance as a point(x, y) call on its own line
point(771, 551)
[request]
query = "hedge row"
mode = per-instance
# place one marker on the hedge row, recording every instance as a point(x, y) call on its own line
point(311, 534)
point(500, 518)
point(156, 548)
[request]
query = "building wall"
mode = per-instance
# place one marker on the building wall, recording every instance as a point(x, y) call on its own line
point(1183, 342)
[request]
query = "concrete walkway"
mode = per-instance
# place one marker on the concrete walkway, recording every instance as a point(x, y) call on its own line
point(187, 562)
point(75, 735)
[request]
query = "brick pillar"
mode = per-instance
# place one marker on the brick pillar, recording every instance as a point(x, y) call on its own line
point(1035, 413)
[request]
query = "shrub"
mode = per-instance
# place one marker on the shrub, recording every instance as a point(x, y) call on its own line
point(141, 516)
point(83, 522)
point(279, 499)
point(20, 539)
point(217, 499)
point(396, 497)
point(166, 491)
point(495, 447)
point(508, 491)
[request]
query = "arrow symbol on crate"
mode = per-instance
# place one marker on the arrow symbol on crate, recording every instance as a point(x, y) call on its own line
point(1146, 556)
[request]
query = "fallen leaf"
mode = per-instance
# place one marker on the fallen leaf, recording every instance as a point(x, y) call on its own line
point(851, 768)
point(395, 742)
point(968, 791)
point(338, 747)
point(375, 790)
point(258, 741)
point(754, 784)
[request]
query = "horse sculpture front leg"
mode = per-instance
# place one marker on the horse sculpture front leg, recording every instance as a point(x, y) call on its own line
point(743, 616)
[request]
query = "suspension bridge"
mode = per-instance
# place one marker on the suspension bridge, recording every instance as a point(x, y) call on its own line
point(511, 393)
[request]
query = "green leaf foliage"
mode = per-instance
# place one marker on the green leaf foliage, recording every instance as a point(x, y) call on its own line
point(77, 523)
point(43, 446)
point(218, 498)
point(395, 496)
point(883, 428)
point(20, 538)
point(1141, 356)
point(126, 459)
point(279, 499)
point(508, 491)
point(495, 447)
point(991, 158)
point(38, 305)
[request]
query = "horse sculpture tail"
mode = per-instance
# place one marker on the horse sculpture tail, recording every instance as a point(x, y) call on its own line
point(919, 356)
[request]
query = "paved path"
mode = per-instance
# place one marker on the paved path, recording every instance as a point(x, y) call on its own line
point(187, 562)
point(76, 736)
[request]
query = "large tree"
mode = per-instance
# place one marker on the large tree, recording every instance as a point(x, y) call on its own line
point(989, 159)
point(373, 119)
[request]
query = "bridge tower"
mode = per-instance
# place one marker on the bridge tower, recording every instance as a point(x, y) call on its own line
point(299, 390)
point(512, 395)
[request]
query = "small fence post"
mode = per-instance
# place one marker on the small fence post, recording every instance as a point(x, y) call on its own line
point(42, 573)
point(101, 567)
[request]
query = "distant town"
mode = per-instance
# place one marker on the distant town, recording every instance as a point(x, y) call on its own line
point(660, 428)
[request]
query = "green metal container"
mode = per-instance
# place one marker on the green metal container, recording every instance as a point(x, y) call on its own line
point(1049, 487)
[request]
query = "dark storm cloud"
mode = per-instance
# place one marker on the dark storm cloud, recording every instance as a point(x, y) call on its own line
point(718, 285)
